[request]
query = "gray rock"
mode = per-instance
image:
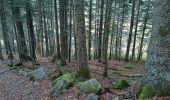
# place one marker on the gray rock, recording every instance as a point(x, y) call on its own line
point(90, 86)
point(23, 72)
point(39, 74)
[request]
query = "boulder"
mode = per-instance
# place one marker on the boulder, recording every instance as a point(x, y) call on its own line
point(120, 84)
point(39, 74)
point(90, 86)
point(63, 82)
point(23, 73)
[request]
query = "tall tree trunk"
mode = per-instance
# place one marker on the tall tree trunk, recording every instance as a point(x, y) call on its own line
point(130, 32)
point(121, 29)
point(112, 35)
point(45, 29)
point(15, 33)
point(40, 26)
point(1, 56)
point(21, 38)
point(100, 31)
point(31, 29)
point(70, 36)
point(106, 35)
point(136, 28)
point(5, 30)
point(143, 33)
point(117, 32)
point(157, 69)
point(63, 31)
point(89, 35)
point(96, 29)
point(66, 27)
point(83, 70)
point(56, 28)
point(74, 32)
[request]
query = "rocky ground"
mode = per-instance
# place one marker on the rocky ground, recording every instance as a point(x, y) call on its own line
point(14, 86)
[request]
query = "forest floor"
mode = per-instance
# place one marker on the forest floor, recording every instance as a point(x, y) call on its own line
point(16, 87)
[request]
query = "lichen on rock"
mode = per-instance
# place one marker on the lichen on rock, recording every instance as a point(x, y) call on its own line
point(39, 74)
point(89, 86)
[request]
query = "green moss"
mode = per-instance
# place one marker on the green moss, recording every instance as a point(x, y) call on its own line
point(120, 84)
point(145, 92)
point(63, 82)
point(83, 73)
point(66, 77)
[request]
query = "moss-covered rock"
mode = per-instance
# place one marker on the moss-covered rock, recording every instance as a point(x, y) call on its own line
point(145, 92)
point(120, 84)
point(63, 82)
point(39, 74)
point(83, 73)
point(90, 86)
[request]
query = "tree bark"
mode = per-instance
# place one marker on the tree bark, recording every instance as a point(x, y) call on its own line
point(136, 28)
point(1, 56)
point(63, 31)
point(89, 35)
point(130, 32)
point(106, 35)
point(70, 33)
point(83, 70)
point(100, 31)
point(157, 67)
point(40, 25)
point(21, 38)
point(56, 28)
point(31, 29)
point(5, 30)
point(121, 29)
point(45, 29)
point(143, 33)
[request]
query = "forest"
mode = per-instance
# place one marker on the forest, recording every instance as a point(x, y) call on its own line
point(84, 49)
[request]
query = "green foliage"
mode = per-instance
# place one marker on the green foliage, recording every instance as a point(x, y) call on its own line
point(83, 73)
point(120, 84)
point(90, 86)
point(145, 92)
